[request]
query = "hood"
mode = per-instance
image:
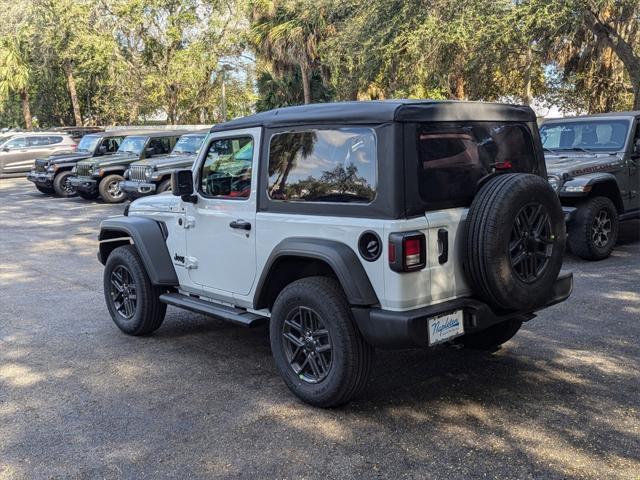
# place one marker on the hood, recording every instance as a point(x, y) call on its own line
point(113, 159)
point(163, 202)
point(576, 164)
point(168, 161)
point(68, 157)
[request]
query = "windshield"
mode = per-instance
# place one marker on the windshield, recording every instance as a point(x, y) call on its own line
point(132, 145)
point(188, 144)
point(88, 143)
point(585, 135)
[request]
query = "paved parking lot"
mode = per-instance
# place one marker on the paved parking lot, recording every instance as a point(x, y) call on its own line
point(201, 398)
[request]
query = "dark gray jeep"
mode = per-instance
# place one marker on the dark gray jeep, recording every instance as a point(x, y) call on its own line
point(52, 174)
point(153, 175)
point(592, 162)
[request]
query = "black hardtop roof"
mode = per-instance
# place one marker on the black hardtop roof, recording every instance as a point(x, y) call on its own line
point(629, 114)
point(382, 111)
point(157, 133)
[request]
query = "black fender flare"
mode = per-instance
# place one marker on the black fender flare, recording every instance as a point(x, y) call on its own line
point(148, 236)
point(116, 169)
point(338, 256)
point(603, 183)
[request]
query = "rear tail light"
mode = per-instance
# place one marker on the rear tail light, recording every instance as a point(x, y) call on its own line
point(407, 251)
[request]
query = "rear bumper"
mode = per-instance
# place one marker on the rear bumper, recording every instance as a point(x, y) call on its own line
point(137, 189)
point(41, 178)
point(409, 329)
point(84, 184)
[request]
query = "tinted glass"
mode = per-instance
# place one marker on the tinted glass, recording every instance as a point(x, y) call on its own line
point(453, 157)
point(112, 144)
point(38, 141)
point(226, 172)
point(132, 145)
point(53, 140)
point(161, 146)
point(336, 165)
point(88, 143)
point(189, 144)
point(596, 135)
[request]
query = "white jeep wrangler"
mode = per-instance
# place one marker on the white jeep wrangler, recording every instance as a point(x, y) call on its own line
point(349, 226)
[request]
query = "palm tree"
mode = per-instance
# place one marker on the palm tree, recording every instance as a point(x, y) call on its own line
point(14, 76)
point(288, 33)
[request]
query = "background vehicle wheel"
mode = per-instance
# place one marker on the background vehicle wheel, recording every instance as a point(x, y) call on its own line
point(46, 190)
point(62, 186)
point(87, 195)
point(131, 298)
point(594, 231)
point(317, 348)
point(165, 186)
point(110, 191)
point(515, 239)
point(491, 338)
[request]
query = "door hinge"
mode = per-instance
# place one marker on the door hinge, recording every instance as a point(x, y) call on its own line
point(189, 222)
point(190, 263)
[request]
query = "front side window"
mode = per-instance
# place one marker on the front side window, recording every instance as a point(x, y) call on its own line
point(189, 144)
point(332, 165)
point(111, 144)
point(132, 145)
point(453, 157)
point(226, 172)
point(88, 143)
point(589, 135)
point(20, 142)
point(161, 146)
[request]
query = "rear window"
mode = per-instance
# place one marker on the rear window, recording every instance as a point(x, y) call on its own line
point(323, 165)
point(453, 157)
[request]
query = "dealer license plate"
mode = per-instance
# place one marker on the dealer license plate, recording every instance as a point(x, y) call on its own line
point(445, 327)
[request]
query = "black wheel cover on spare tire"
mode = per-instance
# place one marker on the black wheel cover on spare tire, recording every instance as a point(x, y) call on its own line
point(514, 218)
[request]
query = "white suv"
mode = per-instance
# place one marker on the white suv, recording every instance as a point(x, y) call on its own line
point(349, 226)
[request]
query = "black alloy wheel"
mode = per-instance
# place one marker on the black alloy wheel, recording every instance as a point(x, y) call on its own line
point(307, 344)
point(531, 242)
point(123, 292)
point(601, 229)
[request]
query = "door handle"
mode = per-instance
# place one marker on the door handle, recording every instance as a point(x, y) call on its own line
point(443, 246)
point(240, 225)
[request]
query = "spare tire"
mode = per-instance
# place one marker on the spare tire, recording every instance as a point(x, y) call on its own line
point(514, 242)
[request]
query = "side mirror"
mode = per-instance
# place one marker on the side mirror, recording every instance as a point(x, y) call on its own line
point(182, 185)
point(6, 149)
point(149, 152)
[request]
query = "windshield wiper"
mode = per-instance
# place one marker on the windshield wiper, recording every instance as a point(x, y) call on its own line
point(549, 150)
point(578, 149)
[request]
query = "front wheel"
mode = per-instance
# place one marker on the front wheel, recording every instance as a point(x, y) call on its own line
point(594, 231)
point(132, 300)
point(62, 185)
point(110, 190)
point(45, 190)
point(317, 348)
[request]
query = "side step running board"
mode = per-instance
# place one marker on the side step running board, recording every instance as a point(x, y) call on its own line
point(234, 315)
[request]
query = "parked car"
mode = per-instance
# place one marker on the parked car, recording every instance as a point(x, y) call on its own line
point(18, 153)
point(593, 163)
point(153, 175)
point(53, 173)
point(102, 176)
point(349, 226)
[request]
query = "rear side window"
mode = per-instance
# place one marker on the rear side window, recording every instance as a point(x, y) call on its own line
point(324, 165)
point(453, 157)
point(54, 140)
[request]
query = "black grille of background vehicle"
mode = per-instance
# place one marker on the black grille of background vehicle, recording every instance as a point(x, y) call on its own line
point(41, 165)
point(136, 173)
point(83, 170)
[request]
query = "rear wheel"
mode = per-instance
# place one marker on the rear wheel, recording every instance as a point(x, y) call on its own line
point(110, 191)
point(132, 300)
point(45, 190)
point(491, 338)
point(594, 231)
point(62, 185)
point(317, 348)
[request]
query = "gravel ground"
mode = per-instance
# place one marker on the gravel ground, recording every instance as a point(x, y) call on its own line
point(201, 398)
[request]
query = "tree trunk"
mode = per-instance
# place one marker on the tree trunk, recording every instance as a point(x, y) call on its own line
point(528, 94)
point(458, 87)
point(71, 83)
point(26, 110)
point(621, 47)
point(306, 83)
